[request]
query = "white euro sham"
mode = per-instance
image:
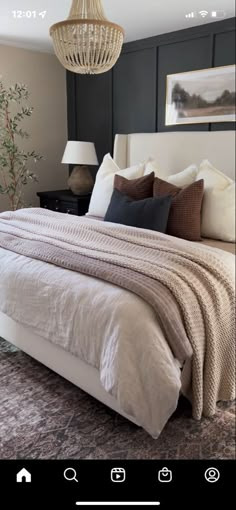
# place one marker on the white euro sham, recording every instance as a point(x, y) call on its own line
point(104, 183)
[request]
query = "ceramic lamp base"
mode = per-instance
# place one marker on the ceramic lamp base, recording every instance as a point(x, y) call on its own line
point(80, 181)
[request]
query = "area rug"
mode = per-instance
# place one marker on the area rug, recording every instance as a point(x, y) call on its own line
point(42, 416)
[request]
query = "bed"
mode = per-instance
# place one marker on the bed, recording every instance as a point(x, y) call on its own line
point(175, 151)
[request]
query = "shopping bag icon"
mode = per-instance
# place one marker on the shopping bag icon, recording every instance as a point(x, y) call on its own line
point(165, 475)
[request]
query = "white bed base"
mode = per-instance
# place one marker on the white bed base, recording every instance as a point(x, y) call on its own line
point(60, 361)
point(174, 152)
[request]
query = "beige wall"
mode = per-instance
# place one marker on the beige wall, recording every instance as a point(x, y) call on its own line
point(47, 127)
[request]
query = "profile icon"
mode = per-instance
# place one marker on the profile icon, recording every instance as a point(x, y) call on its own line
point(212, 475)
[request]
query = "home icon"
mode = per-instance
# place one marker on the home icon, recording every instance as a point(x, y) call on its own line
point(23, 476)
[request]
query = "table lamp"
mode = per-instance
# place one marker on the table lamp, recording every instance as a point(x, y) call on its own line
point(80, 154)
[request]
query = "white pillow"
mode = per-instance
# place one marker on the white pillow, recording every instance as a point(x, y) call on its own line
point(213, 178)
point(184, 178)
point(218, 208)
point(153, 166)
point(181, 179)
point(103, 187)
point(218, 214)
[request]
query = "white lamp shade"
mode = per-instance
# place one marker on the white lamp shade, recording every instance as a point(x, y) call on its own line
point(80, 153)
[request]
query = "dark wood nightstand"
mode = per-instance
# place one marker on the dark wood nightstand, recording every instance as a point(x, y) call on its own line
point(65, 202)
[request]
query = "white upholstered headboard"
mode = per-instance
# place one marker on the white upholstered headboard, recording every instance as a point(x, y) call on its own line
point(176, 151)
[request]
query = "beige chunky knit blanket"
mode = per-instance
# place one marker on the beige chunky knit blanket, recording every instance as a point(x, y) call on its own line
point(189, 287)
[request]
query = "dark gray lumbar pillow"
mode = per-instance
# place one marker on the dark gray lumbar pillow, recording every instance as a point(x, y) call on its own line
point(150, 213)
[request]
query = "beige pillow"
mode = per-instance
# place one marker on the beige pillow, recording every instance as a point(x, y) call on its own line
point(181, 179)
point(185, 178)
point(103, 187)
point(218, 214)
point(153, 166)
point(218, 209)
point(213, 178)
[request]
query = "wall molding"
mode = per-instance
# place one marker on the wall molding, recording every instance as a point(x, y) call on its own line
point(215, 27)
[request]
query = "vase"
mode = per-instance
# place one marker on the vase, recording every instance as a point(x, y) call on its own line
point(80, 181)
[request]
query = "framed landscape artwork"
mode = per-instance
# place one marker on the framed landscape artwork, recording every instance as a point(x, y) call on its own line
point(201, 96)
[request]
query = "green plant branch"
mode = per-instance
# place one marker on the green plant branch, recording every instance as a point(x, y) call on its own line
point(11, 157)
point(14, 171)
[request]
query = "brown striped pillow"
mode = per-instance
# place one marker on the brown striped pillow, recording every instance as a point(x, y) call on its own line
point(185, 214)
point(137, 189)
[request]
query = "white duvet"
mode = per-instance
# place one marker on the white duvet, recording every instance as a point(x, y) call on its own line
point(106, 326)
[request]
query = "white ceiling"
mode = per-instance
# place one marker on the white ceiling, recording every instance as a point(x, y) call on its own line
point(140, 18)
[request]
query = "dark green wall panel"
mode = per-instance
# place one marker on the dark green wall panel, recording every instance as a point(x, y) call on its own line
point(224, 55)
point(131, 98)
point(134, 92)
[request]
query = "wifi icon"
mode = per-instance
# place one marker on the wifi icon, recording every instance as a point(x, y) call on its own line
point(203, 13)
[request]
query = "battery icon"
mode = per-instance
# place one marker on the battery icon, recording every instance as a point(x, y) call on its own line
point(218, 14)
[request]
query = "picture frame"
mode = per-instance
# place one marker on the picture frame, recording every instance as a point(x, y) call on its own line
point(202, 96)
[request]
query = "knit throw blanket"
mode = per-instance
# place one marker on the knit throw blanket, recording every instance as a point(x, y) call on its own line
point(189, 287)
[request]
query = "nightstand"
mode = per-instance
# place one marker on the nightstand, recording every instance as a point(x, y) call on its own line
point(65, 202)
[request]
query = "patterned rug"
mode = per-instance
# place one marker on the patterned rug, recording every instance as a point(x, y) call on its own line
point(42, 416)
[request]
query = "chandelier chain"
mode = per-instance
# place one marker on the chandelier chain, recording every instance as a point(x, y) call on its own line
point(87, 9)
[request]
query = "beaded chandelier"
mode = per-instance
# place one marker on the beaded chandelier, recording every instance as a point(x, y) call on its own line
point(87, 43)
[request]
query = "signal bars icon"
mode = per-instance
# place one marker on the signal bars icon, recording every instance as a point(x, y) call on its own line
point(190, 15)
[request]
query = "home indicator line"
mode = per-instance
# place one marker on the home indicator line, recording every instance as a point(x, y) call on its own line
point(118, 503)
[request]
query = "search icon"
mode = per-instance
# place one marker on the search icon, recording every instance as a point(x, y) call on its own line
point(70, 475)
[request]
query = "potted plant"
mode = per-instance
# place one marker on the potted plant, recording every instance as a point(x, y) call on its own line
point(14, 160)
